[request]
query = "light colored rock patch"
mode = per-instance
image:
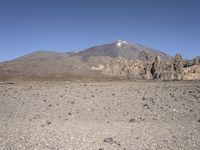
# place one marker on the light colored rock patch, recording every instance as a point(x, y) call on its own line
point(191, 73)
point(100, 67)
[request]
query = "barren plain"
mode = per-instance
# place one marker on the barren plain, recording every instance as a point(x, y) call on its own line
point(100, 115)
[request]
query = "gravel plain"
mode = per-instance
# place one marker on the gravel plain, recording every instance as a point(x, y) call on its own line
point(100, 115)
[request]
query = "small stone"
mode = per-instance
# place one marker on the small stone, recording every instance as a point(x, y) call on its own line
point(109, 140)
point(48, 122)
point(146, 105)
point(142, 119)
point(132, 120)
point(137, 138)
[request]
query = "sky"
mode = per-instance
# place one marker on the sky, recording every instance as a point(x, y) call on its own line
point(170, 26)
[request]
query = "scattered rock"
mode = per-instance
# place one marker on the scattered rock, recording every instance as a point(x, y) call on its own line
point(146, 105)
point(132, 120)
point(48, 122)
point(142, 119)
point(109, 140)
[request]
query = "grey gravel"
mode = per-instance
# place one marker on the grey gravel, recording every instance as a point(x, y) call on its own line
point(33, 115)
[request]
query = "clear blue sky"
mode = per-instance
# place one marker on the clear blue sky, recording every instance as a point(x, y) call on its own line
point(62, 25)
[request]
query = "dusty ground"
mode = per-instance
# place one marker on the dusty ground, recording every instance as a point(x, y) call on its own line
point(100, 116)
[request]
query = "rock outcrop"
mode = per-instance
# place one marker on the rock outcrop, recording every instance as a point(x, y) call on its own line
point(167, 72)
point(156, 68)
point(191, 73)
point(162, 70)
point(147, 71)
point(178, 66)
point(121, 67)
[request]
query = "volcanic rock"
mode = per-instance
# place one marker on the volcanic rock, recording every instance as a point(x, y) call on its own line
point(156, 68)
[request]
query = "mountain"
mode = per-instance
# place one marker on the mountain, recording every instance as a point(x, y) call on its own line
point(124, 49)
point(86, 63)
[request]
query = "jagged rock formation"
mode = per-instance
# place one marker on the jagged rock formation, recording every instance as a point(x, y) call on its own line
point(178, 66)
point(162, 70)
point(167, 70)
point(156, 68)
point(147, 71)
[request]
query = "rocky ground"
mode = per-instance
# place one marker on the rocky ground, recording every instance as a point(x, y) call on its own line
point(100, 116)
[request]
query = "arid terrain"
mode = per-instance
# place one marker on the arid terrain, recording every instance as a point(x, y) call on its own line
point(142, 115)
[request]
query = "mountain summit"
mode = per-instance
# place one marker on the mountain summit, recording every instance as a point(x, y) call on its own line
point(121, 43)
point(124, 49)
